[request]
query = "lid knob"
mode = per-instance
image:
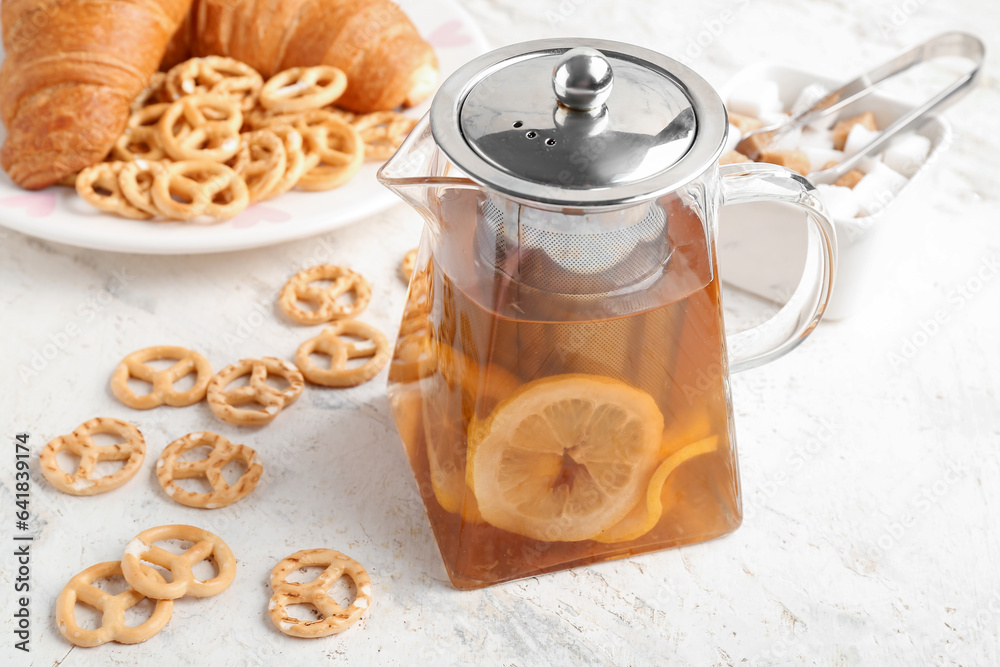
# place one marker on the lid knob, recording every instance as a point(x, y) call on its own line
point(582, 79)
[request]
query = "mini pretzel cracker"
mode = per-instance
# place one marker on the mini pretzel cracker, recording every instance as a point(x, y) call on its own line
point(112, 607)
point(259, 119)
point(134, 365)
point(340, 149)
point(342, 280)
point(296, 162)
point(151, 94)
point(188, 189)
point(335, 619)
point(69, 180)
point(80, 443)
point(135, 179)
point(215, 74)
point(141, 138)
point(261, 161)
point(205, 126)
point(344, 114)
point(205, 545)
point(98, 185)
point(383, 132)
point(196, 113)
point(331, 343)
point(307, 121)
point(169, 467)
point(406, 266)
point(225, 404)
point(416, 355)
point(301, 88)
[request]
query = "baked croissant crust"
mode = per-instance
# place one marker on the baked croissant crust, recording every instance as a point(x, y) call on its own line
point(387, 62)
point(70, 71)
point(72, 67)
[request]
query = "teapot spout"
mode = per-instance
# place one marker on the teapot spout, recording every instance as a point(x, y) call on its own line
point(419, 173)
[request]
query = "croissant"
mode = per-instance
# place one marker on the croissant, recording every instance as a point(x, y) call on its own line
point(387, 62)
point(71, 69)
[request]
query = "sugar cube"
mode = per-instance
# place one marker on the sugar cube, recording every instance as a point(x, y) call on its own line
point(769, 118)
point(859, 137)
point(907, 153)
point(793, 159)
point(754, 144)
point(732, 138)
point(808, 96)
point(753, 98)
point(867, 164)
point(787, 141)
point(842, 203)
point(732, 157)
point(817, 138)
point(878, 188)
point(850, 179)
point(820, 157)
point(843, 128)
point(744, 123)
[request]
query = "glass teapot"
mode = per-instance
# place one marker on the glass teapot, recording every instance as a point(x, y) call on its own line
point(560, 379)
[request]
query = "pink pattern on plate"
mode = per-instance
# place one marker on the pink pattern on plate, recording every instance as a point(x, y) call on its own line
point(258, 213)
point(35, 204)
point(449, 34)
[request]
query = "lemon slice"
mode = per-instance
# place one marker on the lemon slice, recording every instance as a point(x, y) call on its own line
point(447, 438)
point(565, 458)
point(446, 450)
point(407, 410)
point(647, 513)
point(693, 427)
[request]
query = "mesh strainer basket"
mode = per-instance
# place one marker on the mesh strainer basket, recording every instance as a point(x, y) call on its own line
point(576, 254)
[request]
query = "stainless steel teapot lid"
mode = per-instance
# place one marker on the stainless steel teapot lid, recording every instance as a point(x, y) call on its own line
point(578, 123)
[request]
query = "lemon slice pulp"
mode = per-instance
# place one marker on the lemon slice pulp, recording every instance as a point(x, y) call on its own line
point(646, 514)
point(565, 458)
point(453, 394)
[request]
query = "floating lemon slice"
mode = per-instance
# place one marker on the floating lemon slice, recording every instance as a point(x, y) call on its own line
point(693, 427)
point(646, 514)
point(565, 458)
point(407, 409)
point(447, 438)
point(446, 453)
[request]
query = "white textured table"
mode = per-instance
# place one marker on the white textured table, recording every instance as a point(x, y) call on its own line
point(871, 487)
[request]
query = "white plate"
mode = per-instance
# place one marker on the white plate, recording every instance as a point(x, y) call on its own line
point(58, 214)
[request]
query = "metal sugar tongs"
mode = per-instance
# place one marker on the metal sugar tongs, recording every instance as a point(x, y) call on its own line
point(949, 44)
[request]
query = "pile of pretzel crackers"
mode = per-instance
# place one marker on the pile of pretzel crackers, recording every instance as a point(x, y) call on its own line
point(210, 137)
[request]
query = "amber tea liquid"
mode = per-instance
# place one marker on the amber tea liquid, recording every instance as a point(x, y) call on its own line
point(458, 360)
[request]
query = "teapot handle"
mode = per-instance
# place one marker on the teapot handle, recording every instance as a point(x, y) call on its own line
point(752, 182)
